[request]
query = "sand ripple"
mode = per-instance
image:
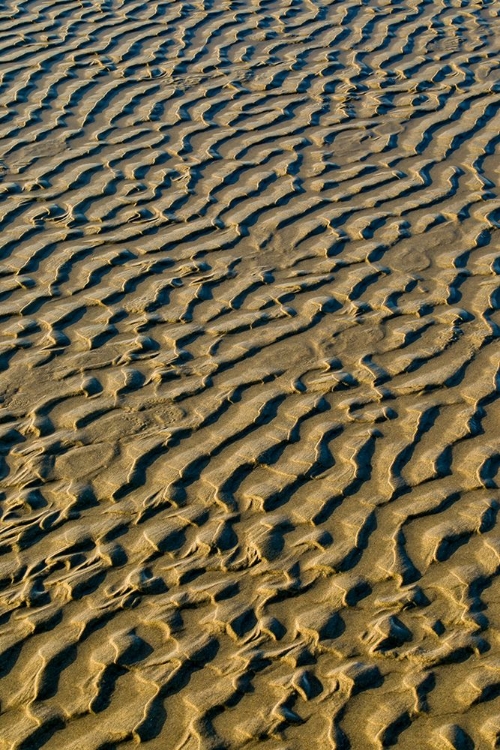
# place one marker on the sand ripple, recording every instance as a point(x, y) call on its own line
point(249, 368)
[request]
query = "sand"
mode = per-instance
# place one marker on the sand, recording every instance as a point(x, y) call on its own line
point(249, 368)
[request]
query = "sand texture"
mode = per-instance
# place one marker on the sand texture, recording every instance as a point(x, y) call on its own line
point(249, 366)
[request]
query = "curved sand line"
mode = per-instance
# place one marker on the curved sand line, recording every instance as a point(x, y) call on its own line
point(249, 369)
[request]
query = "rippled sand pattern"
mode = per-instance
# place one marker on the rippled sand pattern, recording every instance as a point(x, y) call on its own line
point(249, 374)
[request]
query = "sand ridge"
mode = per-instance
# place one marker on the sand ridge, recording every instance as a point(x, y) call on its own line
point(249, 368)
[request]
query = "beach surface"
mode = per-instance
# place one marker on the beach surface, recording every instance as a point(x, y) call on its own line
point(249, 368)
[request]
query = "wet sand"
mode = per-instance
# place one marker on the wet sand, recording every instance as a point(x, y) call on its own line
point(249, 368)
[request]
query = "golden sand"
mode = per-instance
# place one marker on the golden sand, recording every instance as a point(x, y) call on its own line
point(249, 372)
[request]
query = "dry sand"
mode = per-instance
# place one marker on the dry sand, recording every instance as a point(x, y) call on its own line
point(249, 373)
